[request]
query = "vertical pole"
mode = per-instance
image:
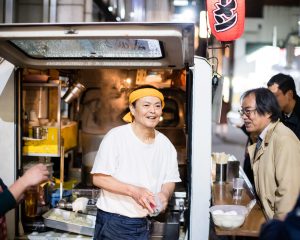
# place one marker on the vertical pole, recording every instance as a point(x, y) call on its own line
point(8, 14)
point(201, 150)
point(53, 8)
point(201, 50)
point(62, 164)
point(45, 11)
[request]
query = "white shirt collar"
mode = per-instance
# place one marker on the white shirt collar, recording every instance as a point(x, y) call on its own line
point(288, 115)
point(264, 132)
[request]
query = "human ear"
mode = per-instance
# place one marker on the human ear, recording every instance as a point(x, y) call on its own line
point(132, 109)
point(290, 94)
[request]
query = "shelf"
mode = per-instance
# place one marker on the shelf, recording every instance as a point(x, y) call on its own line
point(50, 145)
point(41, 84)
point(45, 100)
point(32, 139)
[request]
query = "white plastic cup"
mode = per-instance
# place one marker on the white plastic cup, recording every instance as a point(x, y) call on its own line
point(157, 209)
point(237, 188)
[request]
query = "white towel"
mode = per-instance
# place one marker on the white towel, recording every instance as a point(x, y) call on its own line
point(80, 204)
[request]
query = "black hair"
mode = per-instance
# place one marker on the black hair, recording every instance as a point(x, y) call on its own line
point(285, 83)
point(144, 86)
point(266, 102)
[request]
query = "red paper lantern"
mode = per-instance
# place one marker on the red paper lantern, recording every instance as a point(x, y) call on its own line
point(226, 18)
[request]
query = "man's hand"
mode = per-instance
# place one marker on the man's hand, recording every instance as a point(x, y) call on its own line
point(35, 175)
point(143, 197)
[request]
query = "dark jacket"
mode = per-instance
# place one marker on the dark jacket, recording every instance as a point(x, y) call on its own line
point(293, 122)
point(7, 200)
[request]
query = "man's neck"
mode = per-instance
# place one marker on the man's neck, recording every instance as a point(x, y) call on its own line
point(147, 135)
point(290, 107)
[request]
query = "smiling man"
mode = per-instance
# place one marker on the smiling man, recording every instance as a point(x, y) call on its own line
point(275, 157)
point(136, 168)
point(284, 89)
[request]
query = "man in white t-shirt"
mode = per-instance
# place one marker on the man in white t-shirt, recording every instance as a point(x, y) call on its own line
point(136, 168)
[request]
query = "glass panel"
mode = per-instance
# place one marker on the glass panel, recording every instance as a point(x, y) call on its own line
point(90, 48)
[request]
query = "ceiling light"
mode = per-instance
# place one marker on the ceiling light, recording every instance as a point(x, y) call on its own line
point(180, 3)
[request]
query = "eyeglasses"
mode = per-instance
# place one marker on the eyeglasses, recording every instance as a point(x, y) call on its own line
point(247, 112)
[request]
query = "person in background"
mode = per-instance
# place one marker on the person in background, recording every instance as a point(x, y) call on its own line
point(275, 157)
point(136, 170)
point(283, 87)
point(10, 197)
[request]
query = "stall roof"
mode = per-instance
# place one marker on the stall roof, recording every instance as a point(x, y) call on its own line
point(90, 45)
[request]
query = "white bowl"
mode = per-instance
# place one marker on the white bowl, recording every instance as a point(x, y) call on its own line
point(228, 216)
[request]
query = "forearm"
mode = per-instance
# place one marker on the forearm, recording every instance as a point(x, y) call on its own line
point(287, 179)
point(111, 184)
point(287, 197)
point(165, 194)
point(18, 188)
point(167, 189)
point(141, 195)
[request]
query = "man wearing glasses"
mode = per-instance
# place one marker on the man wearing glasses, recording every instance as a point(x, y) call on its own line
point(275, 157)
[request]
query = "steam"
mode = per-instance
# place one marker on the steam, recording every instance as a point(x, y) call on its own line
point(104, 102)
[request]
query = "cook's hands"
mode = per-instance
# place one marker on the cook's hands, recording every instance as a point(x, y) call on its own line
point(164, 199)
point(35, 175)
point(143, 197)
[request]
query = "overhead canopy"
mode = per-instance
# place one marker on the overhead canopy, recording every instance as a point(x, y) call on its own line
point(82, 45)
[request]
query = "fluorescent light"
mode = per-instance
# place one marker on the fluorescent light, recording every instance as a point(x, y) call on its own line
point(180, 2)
point(204, 29)
point(122, 13)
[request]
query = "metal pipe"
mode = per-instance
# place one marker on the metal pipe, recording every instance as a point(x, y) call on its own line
point(62, 163)
point(53, 8)
point(8, 13)
point(45, 11)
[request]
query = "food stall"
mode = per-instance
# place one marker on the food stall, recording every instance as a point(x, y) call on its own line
point(54, 80)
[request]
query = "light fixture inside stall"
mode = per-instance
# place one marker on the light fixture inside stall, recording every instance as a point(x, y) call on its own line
point(73, 92)
point(127, 82)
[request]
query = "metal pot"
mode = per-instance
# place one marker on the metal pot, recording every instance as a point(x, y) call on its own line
point(38, 132)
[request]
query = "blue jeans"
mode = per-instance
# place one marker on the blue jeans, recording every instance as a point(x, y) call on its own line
point(111, 226)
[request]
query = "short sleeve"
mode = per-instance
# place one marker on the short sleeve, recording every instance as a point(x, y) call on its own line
point(172, 174)
point(106, 157)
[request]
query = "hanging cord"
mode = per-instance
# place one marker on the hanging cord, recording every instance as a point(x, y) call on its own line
point(215, 70)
